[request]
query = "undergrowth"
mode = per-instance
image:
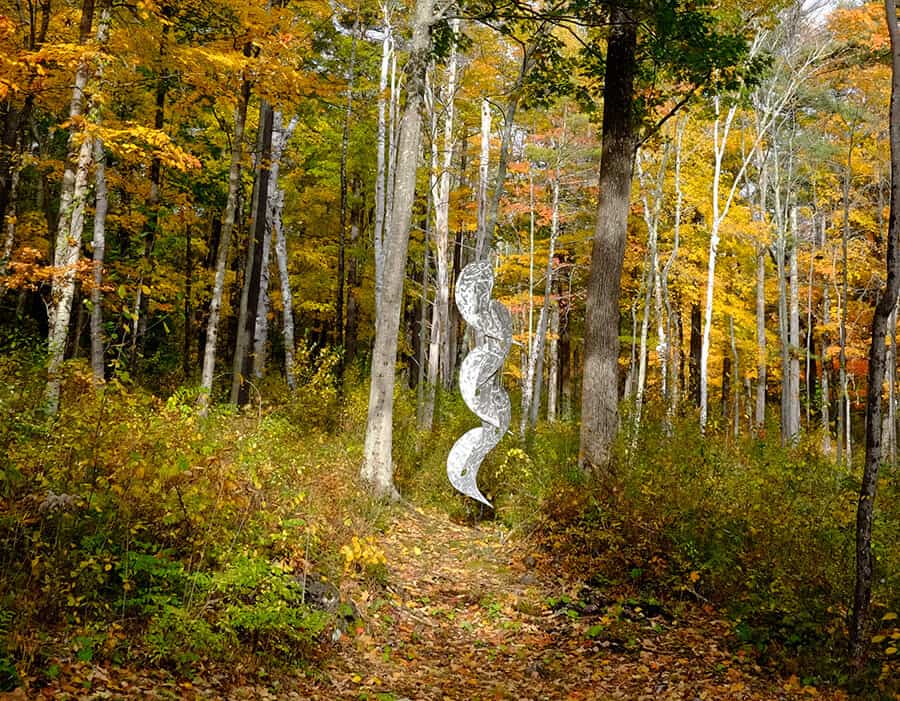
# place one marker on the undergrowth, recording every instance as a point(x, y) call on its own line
point(134, 530)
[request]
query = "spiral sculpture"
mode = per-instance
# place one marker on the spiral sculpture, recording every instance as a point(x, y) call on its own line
point(479, 376)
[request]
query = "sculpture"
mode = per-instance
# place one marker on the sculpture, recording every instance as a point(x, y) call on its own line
point(479, 376)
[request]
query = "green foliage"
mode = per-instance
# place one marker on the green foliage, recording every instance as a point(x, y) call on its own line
point(766, 531)
point(131, 526)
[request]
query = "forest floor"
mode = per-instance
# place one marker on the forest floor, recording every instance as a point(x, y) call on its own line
point(467, 613)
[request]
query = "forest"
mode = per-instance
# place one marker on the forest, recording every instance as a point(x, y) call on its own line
point(449, 349)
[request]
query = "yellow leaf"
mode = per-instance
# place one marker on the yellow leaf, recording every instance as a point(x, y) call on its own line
point(878, 638)
point(695, 576)
point(417, 550)
point(889, 616)
point(356, 679)
point(890, 650)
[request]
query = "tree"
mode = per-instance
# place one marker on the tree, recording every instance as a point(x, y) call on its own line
point(378, 468)
point(865, 511)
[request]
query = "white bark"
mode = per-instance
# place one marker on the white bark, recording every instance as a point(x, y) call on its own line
point(652, 195)
point(442, 156)
point(484, 162)
point(67, 251)
point(281, 135)
point(215, 307)
point(380, 154)
point(286, 300)
point(378, 468)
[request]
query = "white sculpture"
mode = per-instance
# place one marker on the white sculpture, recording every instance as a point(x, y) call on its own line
point(479, 376)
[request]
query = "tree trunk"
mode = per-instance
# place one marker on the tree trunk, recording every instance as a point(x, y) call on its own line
point(439, 347)
point(380, 156)
point(280, 137)
point(694, 360)
point(793, 403)
point(286, 299)
point(553, 369)
point(599, 397)
point(215, 306)
point(69, 231)
point(99, 249)
point(865, 562)
point(721, 129)
point(243, 356)
point(378, 468)
point(826, 370)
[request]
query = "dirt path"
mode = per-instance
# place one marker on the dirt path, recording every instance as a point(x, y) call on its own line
point(466, 616)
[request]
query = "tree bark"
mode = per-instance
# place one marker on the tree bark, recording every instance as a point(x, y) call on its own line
point(243, 360)
point(67, 251)
point(865, 513)
point(99, 250)
point(599, 397)
point(378, 468)
point(215, 306)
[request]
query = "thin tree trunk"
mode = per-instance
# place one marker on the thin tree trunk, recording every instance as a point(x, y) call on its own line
point(694, 359)
point(67, 251)
point(439, 347)
point(553, 369)
point(215, 306)
point(537, 379)
point(99, 250)
point(826, 370)
point(280, 137)
point(736, 409)
point(865, 514)
point(286, 299)
point(721, 129)
point(243, 361)
point(793, 403)
point(378, 468)
point(345, 147)
point(188, 313)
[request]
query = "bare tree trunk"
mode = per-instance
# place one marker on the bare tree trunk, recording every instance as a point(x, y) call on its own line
point(71, 218)
point(721, 128)
point(826, 369)
point(99, 249)
point(844, 423)
point(281, 135)
point(378, 468)
point(254, 272)
point(536, 371)
point(215, 306)
point(380, 153)
point(553, 369)
point(793, 403)
point(439, 347)
point(736, 409)
point(673, 349)
point(865, 514)
point(286, 299)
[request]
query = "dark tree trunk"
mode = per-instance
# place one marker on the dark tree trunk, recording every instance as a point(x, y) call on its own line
point(696, 347)
point(599, 398)
point(726, 381)
point(254, 271)
point(865, 513)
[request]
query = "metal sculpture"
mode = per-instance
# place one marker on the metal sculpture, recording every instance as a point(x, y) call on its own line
point(479, 376)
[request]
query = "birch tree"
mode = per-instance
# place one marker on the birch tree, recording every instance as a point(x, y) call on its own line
point(215, 305)
point(70, 229)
